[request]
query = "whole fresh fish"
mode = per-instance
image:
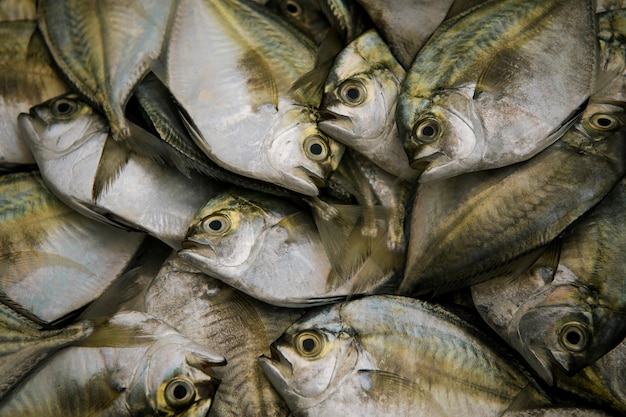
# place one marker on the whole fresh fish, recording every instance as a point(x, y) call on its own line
point(491, 106)
point(53, 260)
point(569, 308)
point(156, 371)
point(397, 356)
point(97, 176)
point(480, 225)
point(603, 382)
point(27, 78)
point(359, 105)
point(105, 47)
point(226, 320)
point(25, 342)
point(239, 108)
point(272, 250)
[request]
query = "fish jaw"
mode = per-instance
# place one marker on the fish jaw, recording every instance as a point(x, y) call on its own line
point(279, 371)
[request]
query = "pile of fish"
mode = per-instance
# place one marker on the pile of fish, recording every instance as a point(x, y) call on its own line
point(312, 208)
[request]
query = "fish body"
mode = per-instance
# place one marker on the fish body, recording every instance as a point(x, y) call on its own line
point(559, 412)
point(264, 246)
point(18, 10)
point(394, 354)
point(359, 104)
point(567, 312)
point(240, 109)
point(306, 15)
point(161, 372)
point(72, 145)
point(473, 227)
point(27, 78)
point(216, 315)
point(493, 105)
point(105, 47)
point(53, 260)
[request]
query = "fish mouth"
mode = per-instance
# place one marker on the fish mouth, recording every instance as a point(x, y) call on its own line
point(276, 367)
point(308, 181)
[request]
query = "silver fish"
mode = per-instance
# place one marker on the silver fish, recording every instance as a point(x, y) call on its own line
point(476, 226)
point(73, 148)
point(104, 47)
point(359, 105)
point(568, 310)
point(27, 78)
point(53, 260)
point(239, 108)
point(492, 106)
point(271, 250)
point(559, 412)
point(397, 356)
point(158, 372)
point(226, 320)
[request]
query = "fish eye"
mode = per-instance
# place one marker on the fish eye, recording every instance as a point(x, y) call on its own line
point(352, 93)
point(180, 393)
point(64, 107)
point(316, 148)
point(603, 122)
point(309, 343)
point(293, 8)
point(427, 130)
point(574, 337)
point(217, 224)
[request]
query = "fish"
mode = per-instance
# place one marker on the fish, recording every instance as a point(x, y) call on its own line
point(95, 175)
point(272, 250)
point(239, 110)
point(568, 309)
point(157, 370)
point(226, 320)
point(359, 104)
point(493, 106)
point(53, 260)
point(601, 383)
point(398, 356)
point(28, 77)
point(25, 341)
point(473, 227)
point(105, 47)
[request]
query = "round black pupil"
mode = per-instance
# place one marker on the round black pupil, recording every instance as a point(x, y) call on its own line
point(292, 8)
point(604, 122)
point(180, 392)
point(63, 107)
point(308, 344)
point(215, 224)
point(428, 131)
point(573, 337)
point(316, 149)
point(353, 93)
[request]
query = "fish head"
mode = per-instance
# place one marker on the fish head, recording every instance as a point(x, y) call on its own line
point(360, 93)
point(60, 125)
point(302, 157)
point(442, 134)
point(225, 236)
point(310, 361)
point(174, 377)
point(570, 328)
